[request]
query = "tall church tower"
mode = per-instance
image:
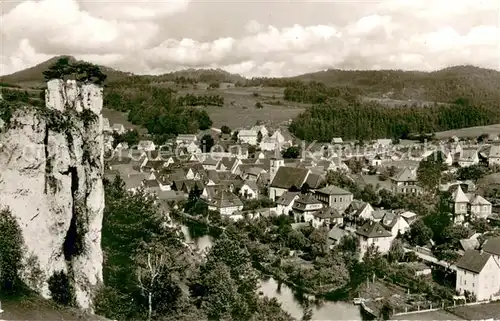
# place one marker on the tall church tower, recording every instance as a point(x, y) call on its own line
point(276, 162)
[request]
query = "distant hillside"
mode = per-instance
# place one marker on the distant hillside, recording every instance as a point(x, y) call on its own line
point(204, 75)
point(445, 85)
point(33, 77)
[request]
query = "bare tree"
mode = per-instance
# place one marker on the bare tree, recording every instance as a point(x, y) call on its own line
point(154, 264)
point(147, 275)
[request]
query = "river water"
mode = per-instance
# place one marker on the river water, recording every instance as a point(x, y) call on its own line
point(325, 311)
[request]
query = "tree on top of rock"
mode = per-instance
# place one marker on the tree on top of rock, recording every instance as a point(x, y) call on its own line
point(62, 67)
point(83, 71)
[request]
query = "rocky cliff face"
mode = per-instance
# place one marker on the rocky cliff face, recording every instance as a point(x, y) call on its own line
point(51, 167)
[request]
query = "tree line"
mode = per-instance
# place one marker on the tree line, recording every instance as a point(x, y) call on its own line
point(317, 93)
point(200, 100)
point(155, 108)
point(357, 119)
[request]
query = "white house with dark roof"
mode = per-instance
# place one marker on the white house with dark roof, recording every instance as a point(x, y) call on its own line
point(119, 129)
point(287, 178)
point(405, 182)
point(334, 197)
point(460, 204)
point(464, 205)
point(337, 140)
point(395, 224)
point(494, 155)
point(480, 207)
point(327, 216)
point(146, 146)
point(478, 273)
point(225, 202)
point(492, 247)
point(269, 144)
point(373, 233)
point(248, 136)
point(186, 139)
point(335, 235)
point(262, 129)
point(468, 157)
point(278, 137)
point(249, 190)
point(359, 210)
point(304, 207)
point(285, 202)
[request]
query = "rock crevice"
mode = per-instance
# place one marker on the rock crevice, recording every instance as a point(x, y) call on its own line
point(60, 212)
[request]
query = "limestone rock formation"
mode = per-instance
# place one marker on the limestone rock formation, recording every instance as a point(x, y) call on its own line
point(51, 168)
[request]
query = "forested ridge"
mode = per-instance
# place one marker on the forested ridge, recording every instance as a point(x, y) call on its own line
point(355, 119)
point(467, 96)
point(157, 109)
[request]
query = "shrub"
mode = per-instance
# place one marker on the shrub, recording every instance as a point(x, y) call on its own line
point(61, 289)
point(11, 244)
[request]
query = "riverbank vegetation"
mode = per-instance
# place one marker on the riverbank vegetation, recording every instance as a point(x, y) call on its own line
point(151, 274)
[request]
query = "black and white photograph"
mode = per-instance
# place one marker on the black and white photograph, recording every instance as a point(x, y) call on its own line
point(249, 160)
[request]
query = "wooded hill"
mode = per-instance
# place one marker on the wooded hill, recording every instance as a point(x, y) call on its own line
point(468, 96)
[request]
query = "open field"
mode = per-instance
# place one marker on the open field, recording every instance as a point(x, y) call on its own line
point(239, 106)
point(117, 117)
point(478, 312)
point(434, 315)
point(470, 131)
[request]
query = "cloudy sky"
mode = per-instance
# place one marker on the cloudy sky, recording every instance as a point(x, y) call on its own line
point(252, 37)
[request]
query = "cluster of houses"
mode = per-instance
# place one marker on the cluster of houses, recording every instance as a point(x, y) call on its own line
point(226, 180)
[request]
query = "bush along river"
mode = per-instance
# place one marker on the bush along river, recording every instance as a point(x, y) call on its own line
point(289, 299)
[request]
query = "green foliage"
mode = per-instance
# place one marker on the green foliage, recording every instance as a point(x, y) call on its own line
point(259, 137)
point(82, 71)
point(132, 227)
point(131, 137)
point(32, 273)
point(420, 234)
point(225, 129)
point(206, 143)
point(61, 289)
point(396, 252)
point(291, 152)
point(155, 108)
point(88, 117)
point(6, 110)
point(429, 171)
point(227, 283)
point(358, 119)
point(11, 247)
point(473, 172)
point(201, 100)
point(316, 93)
point(481, 225)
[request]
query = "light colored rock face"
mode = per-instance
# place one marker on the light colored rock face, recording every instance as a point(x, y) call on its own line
point(47, 177)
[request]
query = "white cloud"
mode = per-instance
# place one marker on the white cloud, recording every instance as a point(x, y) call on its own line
point(137, 9)
point(141, 36)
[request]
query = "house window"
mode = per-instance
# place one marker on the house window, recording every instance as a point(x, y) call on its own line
point(473, 284)
point(465, 282)
point(341, 200)
point(335, 200)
